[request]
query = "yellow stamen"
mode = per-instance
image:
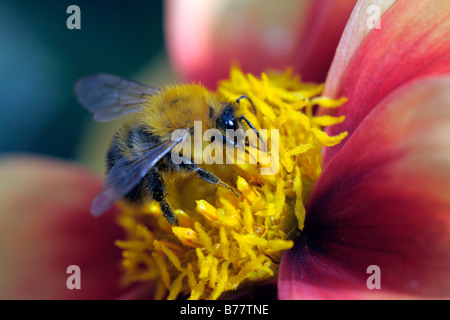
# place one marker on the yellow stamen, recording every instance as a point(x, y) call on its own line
point(224, 242)
point(176, 286)
point(187, 236)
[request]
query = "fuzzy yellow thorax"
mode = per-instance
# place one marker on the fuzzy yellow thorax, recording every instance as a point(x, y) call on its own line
point(177, 105)
point(223, 242)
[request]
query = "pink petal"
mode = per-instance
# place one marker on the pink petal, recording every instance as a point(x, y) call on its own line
point(323, 29)
point(413, 42)
point(46, 227)
point(354, 33)
point(382, 200)
point(204, 38)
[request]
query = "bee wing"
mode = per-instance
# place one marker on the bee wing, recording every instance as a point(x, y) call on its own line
point(127, 173)
point(109, 96)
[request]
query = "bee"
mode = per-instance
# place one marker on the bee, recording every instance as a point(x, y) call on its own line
point(139, 161)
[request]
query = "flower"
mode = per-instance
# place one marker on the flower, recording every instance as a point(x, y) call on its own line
point(363, 210)
point(378, 198)
point(203, 37)
point(381, 201)
point(46, 228)
point(224, 243)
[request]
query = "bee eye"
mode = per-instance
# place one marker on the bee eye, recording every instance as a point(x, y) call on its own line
point(232, 124)
point(227, 119)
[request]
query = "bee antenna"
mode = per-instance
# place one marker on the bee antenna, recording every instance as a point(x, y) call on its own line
point(249, 100)
point(255, 131)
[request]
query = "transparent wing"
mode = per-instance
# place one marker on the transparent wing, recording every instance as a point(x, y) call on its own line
point(127, 173)
point(109, 96)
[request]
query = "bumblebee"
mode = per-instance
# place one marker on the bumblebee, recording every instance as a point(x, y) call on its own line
point(139, 160)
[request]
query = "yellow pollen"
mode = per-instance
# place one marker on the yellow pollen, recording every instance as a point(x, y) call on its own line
point(223, 242)
point(187, 236)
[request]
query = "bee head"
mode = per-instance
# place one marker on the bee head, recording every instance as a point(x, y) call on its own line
point(227, 118)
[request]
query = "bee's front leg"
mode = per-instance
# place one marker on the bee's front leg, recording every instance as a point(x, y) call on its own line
point(208, 177)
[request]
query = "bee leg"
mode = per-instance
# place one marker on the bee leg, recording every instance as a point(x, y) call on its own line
point(209, 177)
point(158, 193)
point(168, 213)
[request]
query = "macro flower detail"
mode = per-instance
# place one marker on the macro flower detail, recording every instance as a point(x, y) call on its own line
point(222, 242)
point(363, 179)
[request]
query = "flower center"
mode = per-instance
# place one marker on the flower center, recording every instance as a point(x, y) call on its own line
point(223, 242)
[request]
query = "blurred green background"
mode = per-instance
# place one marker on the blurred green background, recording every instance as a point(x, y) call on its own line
point(41, 59)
